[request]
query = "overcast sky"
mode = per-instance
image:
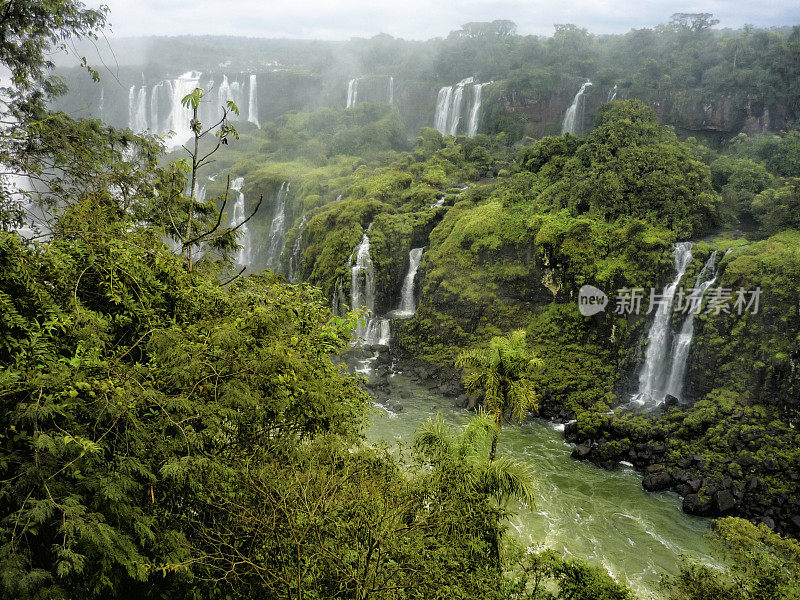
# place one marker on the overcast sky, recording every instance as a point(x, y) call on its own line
point(419, 19)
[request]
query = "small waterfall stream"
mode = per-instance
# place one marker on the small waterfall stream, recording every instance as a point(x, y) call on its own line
point(277, 232)
point(573, 119)
point(296, 259)
point(408, 304)
point(352, 92)
point(653, 374)
point(252, 101)
point(373, 331)
point(244, 254)
point(683, 340)
point(391, 91)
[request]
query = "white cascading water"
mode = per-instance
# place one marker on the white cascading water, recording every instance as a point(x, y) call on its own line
point(449, 103)
point(296, 259)
point(683, 340)
point(244, 254)
point(573, 119)
point(475, 113)
point(442, 109)
point(180, 116)
point(391, 91)
point(137, 109)
point(252, 101)
point(352, 92)
point(374, 331)
point(408, 304)
point(101, 106)
point(277, 231)
point(229, 92)
point(652, 379)
point(612, 94)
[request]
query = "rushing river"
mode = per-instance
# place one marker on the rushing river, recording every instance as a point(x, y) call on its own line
point(603, 517)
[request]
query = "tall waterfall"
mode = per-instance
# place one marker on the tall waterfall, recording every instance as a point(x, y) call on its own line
point(408, 305)
point(180, 116)
point(243, 256)
point(391, 91)
point(252, 101)
point(374, 331)
point(448, 107)
point(137, 109)
point(683, 340)
point(277, 231)
point(296, 259)
point(612, 94)
point(352, 92)
point(475, 113)
point(652, 379)
point(101, 105)
point(573, 119)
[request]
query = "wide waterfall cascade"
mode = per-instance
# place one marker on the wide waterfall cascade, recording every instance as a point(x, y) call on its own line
point(252, 101)
point(449, 103)
point(391, 91)
point(297, 256)
point(352, 92)
point(475, 112)
point(277, 230)
point(682, 343)
point(573, 119)
point(408, 305)
point(244, 254)
point(652, 378)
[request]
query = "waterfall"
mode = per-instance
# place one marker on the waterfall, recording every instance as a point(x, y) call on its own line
point(475, 113)
point(573, 119)
point(683, 341)
point(374, 331)
point(229, 92)
point(296, 259)
point(252, 101)
point(438, 203)
point(448, 107)
point(101, 106)
point(277, 232)
point(391, 91)
point(653, 374)
point(352, 92)
point(239, 215)
point(612, 94)
point(408, 304)
point(137, 109)
point(179, 115)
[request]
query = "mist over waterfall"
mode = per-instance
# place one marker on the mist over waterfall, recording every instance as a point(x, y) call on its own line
point(408, 304)
point(297, 256)
point(683, 340)
point(475, 113)
point(244, 254)
point(252, 101)
point(652, 378)
point(277, 231)
point(573, 119)
point(352, 92)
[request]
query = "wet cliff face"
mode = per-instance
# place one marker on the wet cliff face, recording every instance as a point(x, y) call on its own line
point(688, 113)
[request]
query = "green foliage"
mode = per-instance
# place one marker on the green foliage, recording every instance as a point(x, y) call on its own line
point(759, 564)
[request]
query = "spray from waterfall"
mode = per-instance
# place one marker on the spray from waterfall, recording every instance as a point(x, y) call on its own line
point(652, 378)
point(573, 119)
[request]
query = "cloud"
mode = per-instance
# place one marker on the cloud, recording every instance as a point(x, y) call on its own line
point(419, 19)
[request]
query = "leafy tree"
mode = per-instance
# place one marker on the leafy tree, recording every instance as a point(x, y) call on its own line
point(501, 370)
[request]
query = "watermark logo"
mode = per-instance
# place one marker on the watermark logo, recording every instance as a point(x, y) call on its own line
point(718, 300)
point(591, 300)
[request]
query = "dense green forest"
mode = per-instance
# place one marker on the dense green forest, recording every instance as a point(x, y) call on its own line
point(185, 408)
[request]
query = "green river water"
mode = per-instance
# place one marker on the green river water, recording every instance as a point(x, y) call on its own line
point(604, 517)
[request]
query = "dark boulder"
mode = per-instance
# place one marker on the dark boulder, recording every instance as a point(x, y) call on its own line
point(724, 501)
point(581, 451)
point(657, 481)
point(695, 504)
